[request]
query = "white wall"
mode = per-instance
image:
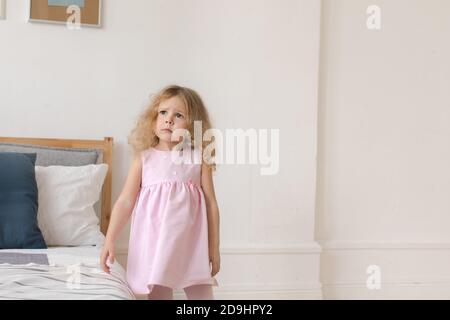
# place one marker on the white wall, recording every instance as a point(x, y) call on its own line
point(383, 134)
point(384, 149)
point(256, 65)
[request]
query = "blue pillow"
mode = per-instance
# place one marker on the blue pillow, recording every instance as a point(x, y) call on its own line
point(19, 202)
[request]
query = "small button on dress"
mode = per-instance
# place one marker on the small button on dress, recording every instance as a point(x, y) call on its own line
point(169, 228)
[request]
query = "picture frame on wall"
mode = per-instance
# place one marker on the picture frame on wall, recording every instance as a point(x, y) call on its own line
point(2, 9)
point(56, 11)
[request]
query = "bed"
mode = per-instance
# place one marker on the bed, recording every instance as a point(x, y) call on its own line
point(68, 269)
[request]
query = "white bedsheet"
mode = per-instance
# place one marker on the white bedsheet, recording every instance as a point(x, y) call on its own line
point(72, 274)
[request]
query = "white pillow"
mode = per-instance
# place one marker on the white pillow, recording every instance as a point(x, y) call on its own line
point(67, 195)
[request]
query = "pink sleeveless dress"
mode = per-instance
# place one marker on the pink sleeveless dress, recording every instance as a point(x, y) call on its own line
point(169, 228)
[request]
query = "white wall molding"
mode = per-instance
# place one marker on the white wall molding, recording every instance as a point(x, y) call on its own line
point(409, 270)
point(303, 248)
point(393, 291)
point(384, 245)
point(266, 271)
point(260, 292)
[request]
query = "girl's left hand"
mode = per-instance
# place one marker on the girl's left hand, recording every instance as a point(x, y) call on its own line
point(214, 259)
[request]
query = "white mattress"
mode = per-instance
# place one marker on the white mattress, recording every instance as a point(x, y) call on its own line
point(73, 273)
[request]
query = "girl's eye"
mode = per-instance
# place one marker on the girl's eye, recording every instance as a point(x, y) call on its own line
point(179, 115)
point(162, 111)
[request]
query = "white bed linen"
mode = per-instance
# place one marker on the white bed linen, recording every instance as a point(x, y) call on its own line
point(73, 273)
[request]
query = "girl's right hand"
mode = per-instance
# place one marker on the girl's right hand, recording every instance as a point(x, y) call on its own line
point(107, 254)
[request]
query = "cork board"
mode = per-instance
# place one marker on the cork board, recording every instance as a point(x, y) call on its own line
point(56, 11)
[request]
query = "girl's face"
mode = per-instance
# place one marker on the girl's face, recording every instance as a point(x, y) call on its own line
point(171, 116)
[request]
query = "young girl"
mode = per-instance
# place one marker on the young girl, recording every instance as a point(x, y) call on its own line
point(174, 237)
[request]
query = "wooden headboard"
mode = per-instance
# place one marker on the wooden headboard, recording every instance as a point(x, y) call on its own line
point(105, 145)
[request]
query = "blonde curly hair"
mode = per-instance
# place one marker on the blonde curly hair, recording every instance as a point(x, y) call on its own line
point(143, 136)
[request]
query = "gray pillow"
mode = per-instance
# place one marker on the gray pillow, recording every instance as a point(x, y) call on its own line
point(52, 156)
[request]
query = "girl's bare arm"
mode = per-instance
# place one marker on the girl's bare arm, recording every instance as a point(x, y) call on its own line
point(212, 210)
point(123, 208)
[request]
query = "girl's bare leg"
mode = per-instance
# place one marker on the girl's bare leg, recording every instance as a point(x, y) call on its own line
point(160, 293)
point(199, 292)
